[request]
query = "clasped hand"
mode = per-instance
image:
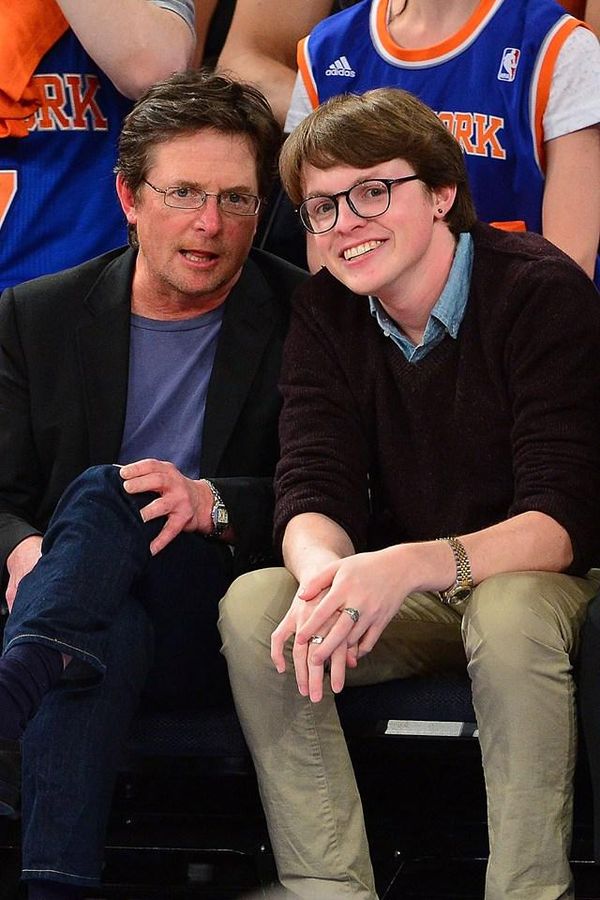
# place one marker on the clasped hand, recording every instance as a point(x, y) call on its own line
point(185, 503)
point(368, 582)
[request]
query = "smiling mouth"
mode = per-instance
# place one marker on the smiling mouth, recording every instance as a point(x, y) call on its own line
point(361, 249)
point(195, 256)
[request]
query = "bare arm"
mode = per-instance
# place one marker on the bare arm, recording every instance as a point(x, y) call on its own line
point(592, 14)
point(134, 42)
point(204, 12)
point(261, 44)
point(377, 583)
point(571, 206)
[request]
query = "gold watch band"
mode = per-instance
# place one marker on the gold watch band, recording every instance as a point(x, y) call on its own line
point(461, 590)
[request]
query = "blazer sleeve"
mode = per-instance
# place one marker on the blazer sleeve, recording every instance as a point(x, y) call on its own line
point(250, 501)
point(19, 465)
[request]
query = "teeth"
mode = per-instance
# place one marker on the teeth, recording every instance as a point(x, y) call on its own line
point(196, 257)
point(353, 252)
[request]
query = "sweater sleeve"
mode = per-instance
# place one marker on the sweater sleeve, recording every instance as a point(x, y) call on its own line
point(320, 420)
point(552, 363)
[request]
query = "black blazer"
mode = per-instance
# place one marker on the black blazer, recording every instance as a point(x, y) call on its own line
point(64, 356)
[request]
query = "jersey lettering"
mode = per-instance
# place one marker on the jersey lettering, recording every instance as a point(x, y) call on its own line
point(8, 189)
point(70, 104)
point(477, 133)
point(84, 103)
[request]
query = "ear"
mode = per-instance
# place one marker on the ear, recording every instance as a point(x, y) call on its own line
point(127, 199)
point(443, 199)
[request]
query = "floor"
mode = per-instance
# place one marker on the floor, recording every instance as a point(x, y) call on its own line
point(180, 832)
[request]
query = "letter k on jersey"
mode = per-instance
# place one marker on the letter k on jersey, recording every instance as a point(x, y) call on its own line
point(477, 133)
point(70, 104)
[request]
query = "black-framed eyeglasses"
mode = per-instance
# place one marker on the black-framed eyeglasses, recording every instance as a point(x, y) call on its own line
point(184, 197)
point(366, 199)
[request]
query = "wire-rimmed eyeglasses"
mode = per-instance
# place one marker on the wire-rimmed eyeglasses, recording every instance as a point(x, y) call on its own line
point(366, 199)
point(185, 197)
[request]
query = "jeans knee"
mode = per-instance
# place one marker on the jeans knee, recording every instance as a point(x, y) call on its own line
point(103, 477)
point(102, 487)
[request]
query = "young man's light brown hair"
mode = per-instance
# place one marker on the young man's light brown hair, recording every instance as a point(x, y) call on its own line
point(362, 130)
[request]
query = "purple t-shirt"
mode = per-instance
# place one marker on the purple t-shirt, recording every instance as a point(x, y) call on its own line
point(170, 363)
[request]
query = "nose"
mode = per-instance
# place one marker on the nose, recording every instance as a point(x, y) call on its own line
point(347, 218)
point(209, 217)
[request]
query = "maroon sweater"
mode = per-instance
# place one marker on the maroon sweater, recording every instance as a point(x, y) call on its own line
point(503, 420)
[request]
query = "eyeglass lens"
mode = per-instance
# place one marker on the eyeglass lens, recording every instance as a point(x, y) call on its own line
point(367, 199)
point(229, 201)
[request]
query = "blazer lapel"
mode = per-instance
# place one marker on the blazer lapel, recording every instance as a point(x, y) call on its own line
point(248, 322)
point(103, 343)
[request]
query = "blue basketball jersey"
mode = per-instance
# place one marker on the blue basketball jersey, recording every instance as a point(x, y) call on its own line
point(489, 84)
point(58, 204)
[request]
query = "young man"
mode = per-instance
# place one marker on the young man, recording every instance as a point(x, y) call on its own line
point(517, 83)
point(438, 494)
point(162, 359)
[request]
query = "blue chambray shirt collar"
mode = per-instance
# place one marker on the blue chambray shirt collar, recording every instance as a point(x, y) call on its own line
point(447, 314)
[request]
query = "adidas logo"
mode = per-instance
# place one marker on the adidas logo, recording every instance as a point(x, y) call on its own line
point(342, 67)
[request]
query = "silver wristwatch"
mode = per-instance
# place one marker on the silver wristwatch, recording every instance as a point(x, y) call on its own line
point(218, 514)
point(461, 590)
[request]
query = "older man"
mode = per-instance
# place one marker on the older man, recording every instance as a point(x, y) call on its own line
point(439, 480)
point(162, 359)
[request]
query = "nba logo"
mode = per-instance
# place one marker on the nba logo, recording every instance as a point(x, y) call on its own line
point(508, 65)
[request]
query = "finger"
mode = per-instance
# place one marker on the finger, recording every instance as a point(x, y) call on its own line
point(324, 611)
point(170, 530)
point(155, 509)
point(315, 673)
point(143, 467)
point(352, 656)
point(154, 482)
point(336, 629)
point(300, 657)
point(279, 638)
point(11, 593)
point(368, 640)
point(311, 588)
point(337, 669)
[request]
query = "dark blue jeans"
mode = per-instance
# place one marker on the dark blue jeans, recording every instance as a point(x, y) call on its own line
point(136, 626)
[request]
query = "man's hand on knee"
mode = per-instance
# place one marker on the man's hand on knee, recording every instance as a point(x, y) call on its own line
point(185, 503)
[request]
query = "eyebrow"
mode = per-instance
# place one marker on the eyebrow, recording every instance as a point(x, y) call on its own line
point(239, 189)
point(314, 194)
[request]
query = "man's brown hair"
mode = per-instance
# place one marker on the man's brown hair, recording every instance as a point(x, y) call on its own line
point(192, 101)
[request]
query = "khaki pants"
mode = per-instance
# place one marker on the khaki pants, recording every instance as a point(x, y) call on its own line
point(519, 633)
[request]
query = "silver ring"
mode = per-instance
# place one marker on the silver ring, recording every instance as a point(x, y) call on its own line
point(316, 639)
point(353, 613)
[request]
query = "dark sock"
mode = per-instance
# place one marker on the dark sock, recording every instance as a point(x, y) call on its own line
point(52, 890)
point(27, 672)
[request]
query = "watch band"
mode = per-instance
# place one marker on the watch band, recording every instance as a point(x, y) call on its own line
point(218, 514)
point(461, 590)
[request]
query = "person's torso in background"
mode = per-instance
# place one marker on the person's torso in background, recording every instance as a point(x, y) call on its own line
point(58, 204)
point(488, 84)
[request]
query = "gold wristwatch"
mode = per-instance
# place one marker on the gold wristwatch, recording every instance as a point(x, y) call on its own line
point(461, 590)
point(218, 514)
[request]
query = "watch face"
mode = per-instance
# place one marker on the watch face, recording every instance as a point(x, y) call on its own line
point(220, 516)
point(454, 595)
point(459, 594)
